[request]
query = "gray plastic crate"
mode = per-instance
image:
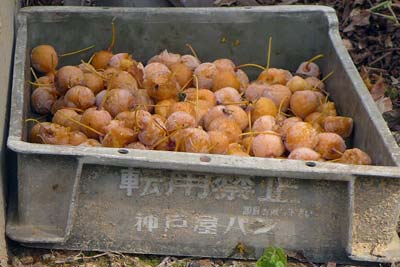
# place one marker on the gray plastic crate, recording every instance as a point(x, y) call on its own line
point(203, 205)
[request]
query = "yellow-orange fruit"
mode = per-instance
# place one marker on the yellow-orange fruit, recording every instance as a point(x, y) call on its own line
point(224, 64)
point(296, 83)
point(280, 94)
point(330, 145)
point(90, 143)
point(191, 94)
point(68, 77)
point(53, 134)
point(123, 80)
point(96, 119)
point(195, 140)
point(301, 134)
point(79, 97)
point(118, 100)
point(228, 126)
point(101, 59)
point(254, 91)
point(286, 124)
point(205, 74)
point(355, 156)
point(119, 137)
point(264, 123)
point(268, 146)
point(182, 106)
point(44, 58)
point(94, 82)
point(308, 69)
point(243, 79)
point(303, 103)
point(225, 78)
point(182, 73)
point(179, 120)
point(42, 99)
point(76, 138)
point(66, 117)
point(328, 109)
point(218, 142)
point(304, 153)
point(263, 106)
point(342, 126)
point(227, 96)
point(274, 76)
point(236, 149)
point(34, 133)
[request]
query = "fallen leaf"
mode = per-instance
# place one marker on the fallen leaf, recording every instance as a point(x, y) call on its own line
point(378, 89)
point(384, 104)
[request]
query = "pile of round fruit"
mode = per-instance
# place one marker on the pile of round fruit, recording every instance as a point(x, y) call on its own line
point(178, 103)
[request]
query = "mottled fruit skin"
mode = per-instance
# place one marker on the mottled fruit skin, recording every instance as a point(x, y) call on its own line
point(42, 99)
point(228, 127)
point(308, 69)
point(162, 107)
point(235, 149)
point(79, 97)
point(274, 76)
point(183, 74)
point(68, 77)
point(136, 145)
point(34, 133)
point(117, 101)
point(93, 82)
point(96, 119)
point(304, 153)
point(342, 126)
point(119, 137)
point(196, 140)
point(301, 134)
point(123, 80)
point(205, 74)
point(264, 123)
point(280, 94)
point(52, 134)
point(219, 142)
point(298, 84)
point(101, 59)
point(303, 103)
point(268, 146)
point(355, 156)
point(263, 106)
point(330, 145)
point(76, 138)
point(254, 91)
point(227, 96)
point(225, 78)
point(44, 58)
point(180, 120)
point(67, 117)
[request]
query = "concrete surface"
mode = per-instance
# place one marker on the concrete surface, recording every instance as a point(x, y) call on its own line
point(7, 11)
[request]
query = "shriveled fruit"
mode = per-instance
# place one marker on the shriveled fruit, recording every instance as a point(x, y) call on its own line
point(162, 107)
point(195, 140)
point(218, 142)
point(63, 117)
point(79, 97)
point(303, 103)
point(34, 133)
point(166, 58)
point(355, 156)
point(301, 134)
point(342, 126)
point(68, 77)
point(54, 134)
point(94, 82)
point(42, 99)
point(330, 145)
point(228, 127)
point(264, 123)
point(180, 120)
point(224, 64)
point(304, 153)
point(328, 109)
point(190, 61)
point(243, 79)
point(118, 100)
point(225, 78)
point(296, 83)
point(280, 94)
point(90, 143)
point(308, 69)
point(101, 59)
point(254, 91)
point(182, 106)
point(119, 137)
point(95, 119)
point(182, 73)
point(192, 95)
point(263, 106)
point(136, 145)
point(274, 76)
point(152, 133)
point(236, 149)
point(227, 96)
point(44, 58)
point(76, 138)
point(124, 80)
point(142, 100)
point(205, 74)
point(268, 146)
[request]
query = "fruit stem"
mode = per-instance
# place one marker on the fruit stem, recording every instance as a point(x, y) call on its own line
point(236, 103)
point(34, 74)
point(197, 96)
point(77, 51)
point(107, 91)
point(322, 81)
point(250, 130)
point(39, 84)
point(250, 65)
point(269, 52)
point(264, 132)
point(91, 58)
point(281, 104)
point(186, 84)
point(337, 151)
point(313, 59)
point(84, 125)
point(193, 51)
point(110, 48)
point(32, 120)
point(93, 70)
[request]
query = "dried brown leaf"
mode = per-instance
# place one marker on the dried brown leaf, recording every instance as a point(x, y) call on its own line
point(378, 89)
point(384, 104)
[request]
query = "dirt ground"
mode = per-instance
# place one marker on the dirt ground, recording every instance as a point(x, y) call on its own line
point(371, 32)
